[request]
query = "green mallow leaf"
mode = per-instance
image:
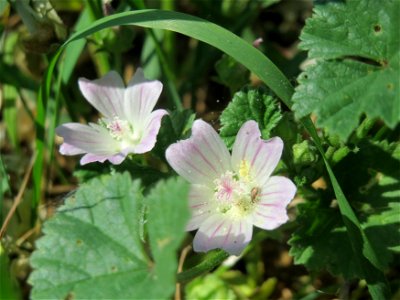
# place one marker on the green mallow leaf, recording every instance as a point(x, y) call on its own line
point(92, 247)
point(356, 48)
point(370, 179)
point(249, 104)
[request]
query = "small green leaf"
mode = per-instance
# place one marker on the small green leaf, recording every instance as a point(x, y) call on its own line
point(357, 47)
point(304, 153)
point(249, 104)
point(174, 127)
point(92, 248)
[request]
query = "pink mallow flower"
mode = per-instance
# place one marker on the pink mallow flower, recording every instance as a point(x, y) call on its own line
point(230, 194)
point(128, 124)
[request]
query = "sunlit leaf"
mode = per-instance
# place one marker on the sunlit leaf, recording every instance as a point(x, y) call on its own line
point(357, 50)
point(249, 104)
point(92, 247)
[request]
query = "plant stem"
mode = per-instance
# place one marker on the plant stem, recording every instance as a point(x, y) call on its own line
point(212, 260)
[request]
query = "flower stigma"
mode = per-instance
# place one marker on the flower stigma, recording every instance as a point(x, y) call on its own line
point(122, 131)
point(236, 194)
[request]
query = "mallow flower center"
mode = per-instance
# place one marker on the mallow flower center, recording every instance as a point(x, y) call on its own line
point(236, 194)
point(122, 131)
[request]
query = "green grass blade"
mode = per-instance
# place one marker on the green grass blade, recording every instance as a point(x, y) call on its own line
point(204, 31)
point(255, 61)
point(74, 50)
point(10, 114)
point(4, 187)
point(367, 258)
point(43, 95)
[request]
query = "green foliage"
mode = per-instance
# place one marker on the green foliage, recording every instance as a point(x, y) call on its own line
point(175, 126)
point(148, 58)
point(249, 104)
point(231, 73)
point(369, 179)
point(304, 153)
point(209, 287)
point(166, 220)
point(9, 93)
point(146, 174)
point(357, 50)
point(92, 248)
point(253, 59)
point(8, 282)
point(3, 6)
point(322, 231)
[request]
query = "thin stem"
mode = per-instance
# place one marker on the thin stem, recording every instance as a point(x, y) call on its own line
point(18, 198)
point(212, 260)
point(184, 253)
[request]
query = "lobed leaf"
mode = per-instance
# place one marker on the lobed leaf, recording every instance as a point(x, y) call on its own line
point(249, 104)
point(92, 248)
point(357, 50)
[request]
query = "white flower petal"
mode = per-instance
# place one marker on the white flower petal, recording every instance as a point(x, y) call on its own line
point(140, 97)
point(202, 158)
point(223, 233)
point(114, 159)
point(67, 149)
point(150, 131)
point(105, 94)
point(278, 190)
point(261, 156)
point(199, 205)
point(275, 195)
point(86, 139)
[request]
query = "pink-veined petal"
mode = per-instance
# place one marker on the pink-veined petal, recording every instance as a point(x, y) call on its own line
point(150, 131)
point(199, 205)
point(105, 94)
point(202, 158)
point(140, 97)
point(67, 149)
point(261, 156)
point(270, 211)
point(223, 233)
point(87, 139)
point(278, 190)
point(114, 159)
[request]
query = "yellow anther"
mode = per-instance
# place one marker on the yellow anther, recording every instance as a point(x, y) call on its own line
point(244, 170)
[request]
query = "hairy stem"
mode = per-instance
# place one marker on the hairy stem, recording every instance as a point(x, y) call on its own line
point(212, 260)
